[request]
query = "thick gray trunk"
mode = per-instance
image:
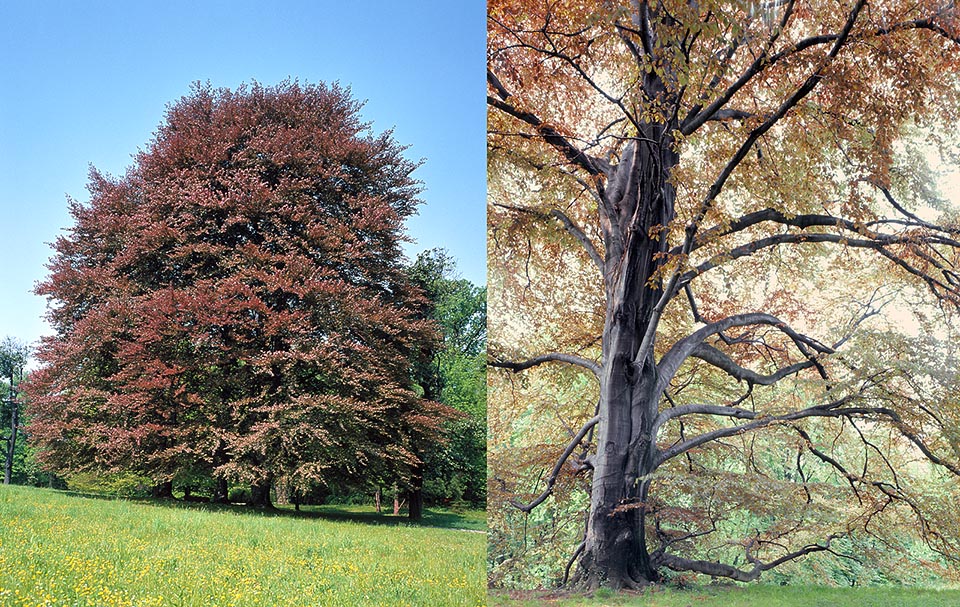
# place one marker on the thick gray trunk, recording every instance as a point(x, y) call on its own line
point(615, 549)
point(640, 203)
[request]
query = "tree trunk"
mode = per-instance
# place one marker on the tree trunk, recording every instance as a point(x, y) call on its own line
point(12, 443)
point(615, 549)
point(639, 204)
point(415, 494)
point(163, 490)
point(220, 491)
point(260, 495)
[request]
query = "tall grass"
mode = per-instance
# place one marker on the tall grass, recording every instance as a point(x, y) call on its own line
point(61, 550)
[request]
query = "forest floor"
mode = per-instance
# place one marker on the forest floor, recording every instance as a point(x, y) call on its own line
point(59, 550)
point(736, 596)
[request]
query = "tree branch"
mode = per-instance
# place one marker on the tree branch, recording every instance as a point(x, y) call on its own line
point(569, 225)
point(850, 478)
point(698, 409)
point(808, 85)
point(893, 202)
point(716, 569)
point(571, 359)
point(808, 221)
point(552, 479)
point(718, 359)
point(878, 243)
point(581, 237)
point(693, 226)
point(697, 116)
point(684, 348)
point(829, 410)
point(552, 136)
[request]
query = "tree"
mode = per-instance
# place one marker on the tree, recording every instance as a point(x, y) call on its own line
point(13, 361)
point(693, 155)
point(455, 376)
point(236, 306)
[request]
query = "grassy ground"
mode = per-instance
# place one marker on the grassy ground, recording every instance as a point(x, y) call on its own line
point(59, 550)
point(740, 596)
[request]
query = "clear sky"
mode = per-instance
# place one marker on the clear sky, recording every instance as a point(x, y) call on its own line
point(86, 83)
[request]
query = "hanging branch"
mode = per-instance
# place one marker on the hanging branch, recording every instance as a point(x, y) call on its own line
point(552, 479)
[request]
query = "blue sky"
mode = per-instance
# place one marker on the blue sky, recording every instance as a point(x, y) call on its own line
point(87, 83)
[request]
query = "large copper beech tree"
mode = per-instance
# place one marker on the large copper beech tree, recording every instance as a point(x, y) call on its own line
point(655, 167)
point(236, 307)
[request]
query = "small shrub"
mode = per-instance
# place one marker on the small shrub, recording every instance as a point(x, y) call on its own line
point(118, 485)
point(240, 495)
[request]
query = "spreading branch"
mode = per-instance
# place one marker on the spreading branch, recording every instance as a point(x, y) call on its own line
point(802, 91)
point(684, 348)
point(517, 366)
point(551, 135)
point(760, 421)
point(718, 359)
point(717, 569)
point(699, 409)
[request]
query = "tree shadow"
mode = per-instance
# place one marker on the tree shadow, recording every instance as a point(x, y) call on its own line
point(432, 517)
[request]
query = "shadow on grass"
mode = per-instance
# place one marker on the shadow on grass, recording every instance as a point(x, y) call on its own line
point(471, 520)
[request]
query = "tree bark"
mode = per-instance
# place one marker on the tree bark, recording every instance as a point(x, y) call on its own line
point(260, 494)
point(415, 494)
point(163, 490)
point(220, 491)
point(638, 205)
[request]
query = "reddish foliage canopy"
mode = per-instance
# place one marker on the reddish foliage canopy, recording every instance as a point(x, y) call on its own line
point(236, 305)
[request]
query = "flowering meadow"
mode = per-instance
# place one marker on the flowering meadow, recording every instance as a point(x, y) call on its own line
point(59, 550)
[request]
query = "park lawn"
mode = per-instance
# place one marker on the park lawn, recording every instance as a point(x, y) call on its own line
point(738, 596)
point(64, 550)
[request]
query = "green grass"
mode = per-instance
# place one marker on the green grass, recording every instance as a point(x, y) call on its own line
point(739, 596)
point(59, 550)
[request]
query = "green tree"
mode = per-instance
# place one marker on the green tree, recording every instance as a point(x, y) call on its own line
point(455, 376)
point(13, 360)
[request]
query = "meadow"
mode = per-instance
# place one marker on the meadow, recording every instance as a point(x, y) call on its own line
point(738, 596)
point(61, 550)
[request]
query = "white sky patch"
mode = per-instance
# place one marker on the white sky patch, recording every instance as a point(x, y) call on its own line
point(949, 184)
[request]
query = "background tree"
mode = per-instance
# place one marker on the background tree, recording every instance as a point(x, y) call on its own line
point(455, 376)
point(13, 360)
point(236, 306)
point(681, 194)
